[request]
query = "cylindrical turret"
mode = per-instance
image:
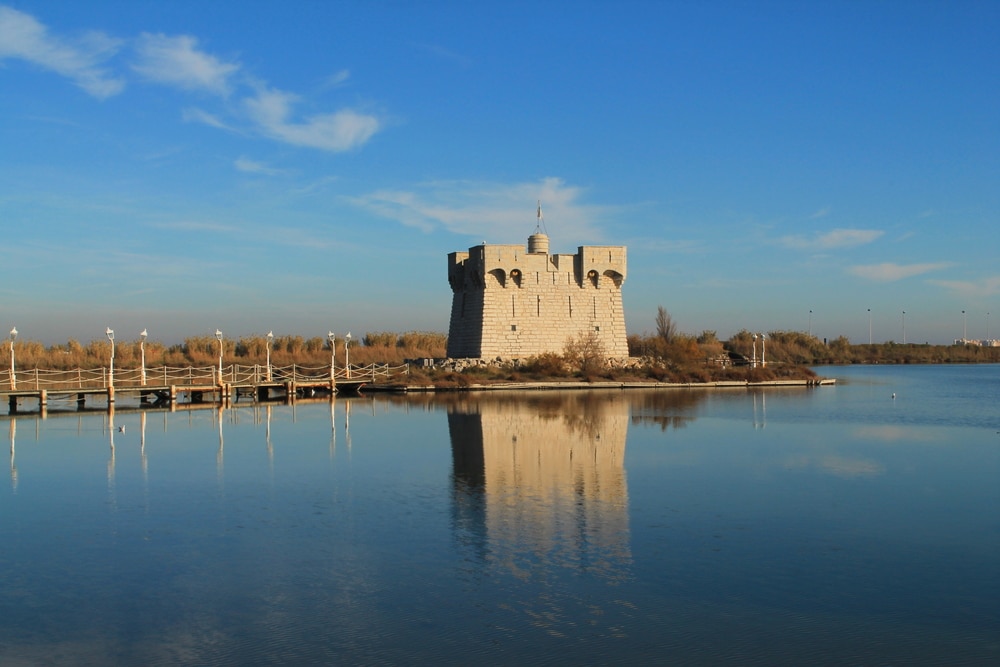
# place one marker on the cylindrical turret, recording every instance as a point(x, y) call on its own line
point(538, 243)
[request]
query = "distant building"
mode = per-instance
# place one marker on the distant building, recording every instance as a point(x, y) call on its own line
point(989, 342)
point(513, 302)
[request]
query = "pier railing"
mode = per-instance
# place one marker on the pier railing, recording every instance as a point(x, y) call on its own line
point(165, 376)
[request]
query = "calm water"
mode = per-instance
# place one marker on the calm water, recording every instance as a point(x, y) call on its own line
point(787, 526)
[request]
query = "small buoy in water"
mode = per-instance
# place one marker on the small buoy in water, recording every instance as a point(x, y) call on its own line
point(121, 429)
point(894, 394)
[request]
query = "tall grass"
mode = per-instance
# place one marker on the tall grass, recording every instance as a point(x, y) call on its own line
point(247, 350)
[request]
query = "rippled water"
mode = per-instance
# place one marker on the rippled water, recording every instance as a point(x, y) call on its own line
point(831, 525)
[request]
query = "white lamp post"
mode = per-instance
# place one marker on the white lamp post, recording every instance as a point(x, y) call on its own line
point(763, 360)
point(333, 354)
point(110, 333)
point(347, 354)
point(754, 364)
point(270, 338)
point(142, 354)
point(965, 327)
point(13, 377)
point(869, 326)
point(904, 327)
point(810, 323)
point(218, 337)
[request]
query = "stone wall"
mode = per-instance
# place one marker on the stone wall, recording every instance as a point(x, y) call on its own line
point(508, 302)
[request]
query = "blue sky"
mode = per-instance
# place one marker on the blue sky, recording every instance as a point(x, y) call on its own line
point(307, 166)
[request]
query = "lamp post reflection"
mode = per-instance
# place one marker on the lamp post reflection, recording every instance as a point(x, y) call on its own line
point(13, 468)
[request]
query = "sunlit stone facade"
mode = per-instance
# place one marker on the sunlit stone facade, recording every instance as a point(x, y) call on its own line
point(511, 302)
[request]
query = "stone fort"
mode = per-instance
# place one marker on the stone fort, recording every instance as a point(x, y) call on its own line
point(510, 301)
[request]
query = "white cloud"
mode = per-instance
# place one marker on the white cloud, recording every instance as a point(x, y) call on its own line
point(336, 79)
point(196, 115)
point(837, 238)
point(888, 272)
point(339, 131)
point(492, 212)
point(253, 167)
point(986, 287)
point(176, 61)
point(21, 36)
point(822, 213)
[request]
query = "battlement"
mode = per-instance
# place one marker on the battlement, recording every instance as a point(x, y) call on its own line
point(512, 301)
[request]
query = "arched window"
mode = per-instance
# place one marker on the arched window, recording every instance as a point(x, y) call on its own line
point(615, 277)
point(499, 276)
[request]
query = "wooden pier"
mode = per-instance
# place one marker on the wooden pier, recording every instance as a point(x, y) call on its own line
point(168, 386)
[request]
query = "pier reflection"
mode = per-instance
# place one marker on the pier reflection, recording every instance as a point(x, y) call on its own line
point(540, 480)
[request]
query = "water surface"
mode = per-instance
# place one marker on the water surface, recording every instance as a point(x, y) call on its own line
point(781, 526)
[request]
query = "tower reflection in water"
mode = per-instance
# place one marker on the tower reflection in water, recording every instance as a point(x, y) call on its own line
point(540, 480)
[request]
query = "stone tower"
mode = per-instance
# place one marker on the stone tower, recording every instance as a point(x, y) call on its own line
point(513, 302)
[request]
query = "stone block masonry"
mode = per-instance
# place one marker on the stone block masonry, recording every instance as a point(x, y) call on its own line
point(512, 302)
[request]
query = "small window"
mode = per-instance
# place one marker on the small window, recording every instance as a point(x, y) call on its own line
point(513, 327)
point(597, 328)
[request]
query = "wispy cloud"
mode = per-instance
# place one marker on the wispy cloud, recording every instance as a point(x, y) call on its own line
point(80, 60)
point(196, 115)
point(889, 272)
point(177, 61)
point(196, 226)
point(343, 130)
point(445, 54)
point(822, 213)
point(336, 79)
point(989, 286)
point(492, 212)
point(253, 167)
point(837, 238)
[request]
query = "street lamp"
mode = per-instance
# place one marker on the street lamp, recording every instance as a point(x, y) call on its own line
point(754, 363)
point(110, 333)
point(810, 323)
point(763, 361)
point(904, 327)
point(218, 337)
point(142, 353)
point(333, 354)
point(965, 327)
point(347, 354)
point(869, 326)
point(13, 378)
point(270, 337)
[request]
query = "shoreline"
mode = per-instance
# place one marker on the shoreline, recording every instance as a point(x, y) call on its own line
point(609, 384)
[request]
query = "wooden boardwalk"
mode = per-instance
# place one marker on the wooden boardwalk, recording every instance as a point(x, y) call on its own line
point(168, 386)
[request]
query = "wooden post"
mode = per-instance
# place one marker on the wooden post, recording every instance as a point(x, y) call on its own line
point(111, 395)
